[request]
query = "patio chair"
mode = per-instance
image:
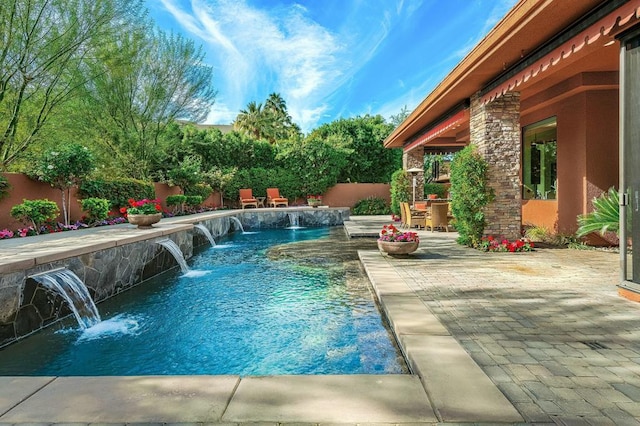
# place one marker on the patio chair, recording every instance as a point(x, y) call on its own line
point(274, 199)
point(403, 216)
point(413, 218)
point(247, 199)
point(439, 216)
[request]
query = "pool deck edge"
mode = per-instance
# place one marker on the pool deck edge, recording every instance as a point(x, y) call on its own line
point(457, 387)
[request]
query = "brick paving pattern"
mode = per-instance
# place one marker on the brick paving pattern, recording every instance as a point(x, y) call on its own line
point(547, 327)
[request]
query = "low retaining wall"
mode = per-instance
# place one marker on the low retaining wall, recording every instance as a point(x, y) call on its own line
point(26, 306)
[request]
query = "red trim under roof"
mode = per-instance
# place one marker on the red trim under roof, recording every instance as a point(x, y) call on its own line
point(438, 130)
point(603, 27)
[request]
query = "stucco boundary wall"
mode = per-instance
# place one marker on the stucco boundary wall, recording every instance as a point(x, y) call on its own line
point(22, 187)
point(113, 259)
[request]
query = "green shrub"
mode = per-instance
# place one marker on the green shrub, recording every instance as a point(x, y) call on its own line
point(187, 174)
point(400, 190)
point(200, 190)
point(371, 206)
point(35, 213)
point(435, 188)
point(118, 191)
point(538, 233)
point(259, 179)
point(97, 209)
point(470, 193)
point(193, 200)
point(605, 216)
point(177, 202)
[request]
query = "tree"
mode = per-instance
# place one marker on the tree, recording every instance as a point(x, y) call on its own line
point(45, 49)
point(219, 179)
point(270, 121)
point(63, 169)
point(187, 174)
point(398, 118)
point(147, 80)
point(370, 161)
point(315, 162)
point(251, 120)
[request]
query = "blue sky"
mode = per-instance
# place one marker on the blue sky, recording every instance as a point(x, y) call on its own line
point(328, 59)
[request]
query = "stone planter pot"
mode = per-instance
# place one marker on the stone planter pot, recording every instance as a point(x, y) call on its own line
point(314, 203)
point(394, 248)
point(144, 221)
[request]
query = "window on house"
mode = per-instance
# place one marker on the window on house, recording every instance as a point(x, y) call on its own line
point(540, 169)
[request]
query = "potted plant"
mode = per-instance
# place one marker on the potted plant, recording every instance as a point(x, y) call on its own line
point(314, 200)
point(143, 213)
point(395, 242)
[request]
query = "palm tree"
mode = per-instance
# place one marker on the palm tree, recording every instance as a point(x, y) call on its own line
point(282, 124)
point(271, 122)
point(251, 120)
point(276, 104)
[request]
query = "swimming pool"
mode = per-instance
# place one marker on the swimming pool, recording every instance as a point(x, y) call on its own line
point(239, 313)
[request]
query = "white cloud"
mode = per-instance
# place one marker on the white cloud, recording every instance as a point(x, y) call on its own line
point(256, 51)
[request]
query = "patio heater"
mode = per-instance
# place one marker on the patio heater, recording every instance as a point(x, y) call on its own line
point(414, 172)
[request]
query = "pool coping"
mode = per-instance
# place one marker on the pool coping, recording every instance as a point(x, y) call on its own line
point(447, 385)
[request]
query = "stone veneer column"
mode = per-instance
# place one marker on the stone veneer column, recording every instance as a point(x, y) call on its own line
point(495, 130)
point(411, 159)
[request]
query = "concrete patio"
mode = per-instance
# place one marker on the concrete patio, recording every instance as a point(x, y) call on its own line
point(493, 338)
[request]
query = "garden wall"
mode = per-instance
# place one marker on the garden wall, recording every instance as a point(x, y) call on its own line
point(24, 188)
point(340, 195)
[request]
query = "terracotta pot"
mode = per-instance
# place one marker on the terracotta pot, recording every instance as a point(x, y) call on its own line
point(395, 248)
point(144, 221)
point(433, 196)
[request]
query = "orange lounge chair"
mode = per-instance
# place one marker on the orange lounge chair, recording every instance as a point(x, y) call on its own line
point(274, 199)
point(246, 199)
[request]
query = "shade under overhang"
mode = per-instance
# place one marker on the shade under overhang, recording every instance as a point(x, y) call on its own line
point(439, 130)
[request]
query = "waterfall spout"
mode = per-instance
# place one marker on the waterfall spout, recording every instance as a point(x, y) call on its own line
point(65, 283)
point(176, 252)
point(237, 222)
point(294, 220)
point(206, 233)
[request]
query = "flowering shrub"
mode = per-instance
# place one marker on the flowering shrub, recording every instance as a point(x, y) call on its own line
point(490, 243)
point(26, 232)
point(393, 234)
point(144, 206)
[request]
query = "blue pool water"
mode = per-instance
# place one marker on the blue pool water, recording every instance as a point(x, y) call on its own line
point(237, 313)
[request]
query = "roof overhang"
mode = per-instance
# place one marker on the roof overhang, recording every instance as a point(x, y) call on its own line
point(440, 134)
point(510, 56)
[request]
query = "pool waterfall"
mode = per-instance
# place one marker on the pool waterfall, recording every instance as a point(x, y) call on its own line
point(294, 220)
point(66, 284)
point(205, 231)
point(176, 253)
point(238, 223)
